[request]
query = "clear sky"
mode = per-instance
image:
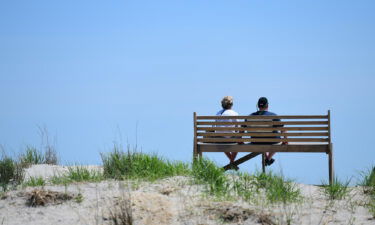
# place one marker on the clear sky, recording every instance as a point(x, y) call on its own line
point(95, 72)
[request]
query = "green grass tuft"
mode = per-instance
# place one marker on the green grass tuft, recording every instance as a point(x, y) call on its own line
point(135, 165)
point(32, 156)
point(78, 174)
point(11, 172)
point(368, 184)
point(34, 182)
point(82, 174)
point(205, 171)
point(243, 186)
point(277, 187)
point(337, 190)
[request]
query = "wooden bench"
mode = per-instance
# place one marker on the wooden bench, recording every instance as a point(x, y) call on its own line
point(310, 133)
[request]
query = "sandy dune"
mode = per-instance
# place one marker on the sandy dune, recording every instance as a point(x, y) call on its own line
point(172, 201)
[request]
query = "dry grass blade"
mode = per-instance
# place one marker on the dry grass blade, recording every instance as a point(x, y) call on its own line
point(40, 197)
point(265, 219)
point(121, 213)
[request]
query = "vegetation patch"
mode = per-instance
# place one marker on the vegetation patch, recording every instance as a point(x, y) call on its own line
point(35, 181)
point(11, 172)
point(277, 187)
point(78, 174)
point(368, 184)
point(119, 164)
point(337, 190)
point(230, 213)
point(121, 212)
point(206, 172)
point(32, 156)
point(40, 197)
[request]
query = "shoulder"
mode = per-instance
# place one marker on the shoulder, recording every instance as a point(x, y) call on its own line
point(230, 112)
point(219, 113)
point(270, 113)
point(253, 114)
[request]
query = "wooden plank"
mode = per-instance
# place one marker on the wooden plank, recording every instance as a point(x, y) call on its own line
point(195, 142)
point(263, 148)
point(260, 128)
point(241, 160)
point(329, 126)
point(248, 123)
point(263, 117)
point(330, 165)
point(221, 140)
point(255, 134)
point(263, 162)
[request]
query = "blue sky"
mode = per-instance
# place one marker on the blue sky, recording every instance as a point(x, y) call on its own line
point(94, 72)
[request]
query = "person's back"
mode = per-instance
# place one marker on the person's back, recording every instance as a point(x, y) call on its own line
point(227, 103)
point(263, 111)
point(226, 112)
point(266, 113)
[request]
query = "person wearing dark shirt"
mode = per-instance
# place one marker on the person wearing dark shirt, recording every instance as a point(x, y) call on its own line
point(263, 111)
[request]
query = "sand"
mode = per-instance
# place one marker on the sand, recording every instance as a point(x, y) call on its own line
point(173, 200)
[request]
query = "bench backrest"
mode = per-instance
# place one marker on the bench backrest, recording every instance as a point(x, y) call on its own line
point(311, 129)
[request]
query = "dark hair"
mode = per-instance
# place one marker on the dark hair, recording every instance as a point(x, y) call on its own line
point(262, 102)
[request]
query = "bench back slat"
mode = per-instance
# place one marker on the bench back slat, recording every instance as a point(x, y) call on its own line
point(313, 129)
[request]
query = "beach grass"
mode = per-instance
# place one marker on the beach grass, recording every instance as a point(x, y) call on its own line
point(277, 187)
point(32, 156)
point(207, 172)
point(337, 190)
point(78, 174)
point(83, 174)
point(34, 182)
point(11, 172)
point(368, 183)
point(131, 164)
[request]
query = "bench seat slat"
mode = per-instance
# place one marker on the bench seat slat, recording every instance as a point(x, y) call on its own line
point(221, 140)
point(264, 123)
point(262, 117)
point(289, 134)
point(263, 148)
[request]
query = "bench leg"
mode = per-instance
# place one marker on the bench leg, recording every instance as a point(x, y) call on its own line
point(263, 163)
point(241, 160)
point(330, 164)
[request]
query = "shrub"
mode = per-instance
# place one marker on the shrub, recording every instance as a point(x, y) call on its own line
point(11, 172)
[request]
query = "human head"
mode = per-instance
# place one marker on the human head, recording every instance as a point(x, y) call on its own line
point(263, 103)
point(227, 102)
